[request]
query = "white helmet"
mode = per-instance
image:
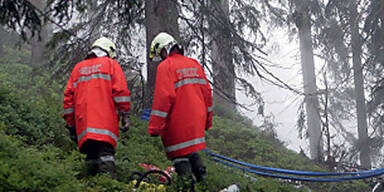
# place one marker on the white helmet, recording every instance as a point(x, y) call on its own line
point(162, 40)
point(107, 45)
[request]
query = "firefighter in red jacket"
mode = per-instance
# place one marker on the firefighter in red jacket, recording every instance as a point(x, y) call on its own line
point(97, 88)
point(182, 106)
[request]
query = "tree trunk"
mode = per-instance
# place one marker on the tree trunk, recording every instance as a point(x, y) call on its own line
point(161, 16)
point(309, 78)
point(92, 13)
point(2, 35)
point(222, 57)
point(363, 143)
point(38, 42)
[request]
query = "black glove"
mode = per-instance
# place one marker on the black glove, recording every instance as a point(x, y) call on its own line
point(125, 121)
point(154, 135)
point(72, 133)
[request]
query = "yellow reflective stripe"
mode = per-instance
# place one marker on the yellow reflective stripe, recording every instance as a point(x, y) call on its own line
point(159, 113)
point(68, 111)
point(93, 76)
point(122, 99)
point(190, 81)
point(97, 131)
point(185, 144)
point(210, 109)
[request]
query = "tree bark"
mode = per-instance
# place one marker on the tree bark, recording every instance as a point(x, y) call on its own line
point(2, 35)
point(363, 143)
point(38, 42)
point(92, 13)
point(161, 16)
point(309, 79)
point(222, 56)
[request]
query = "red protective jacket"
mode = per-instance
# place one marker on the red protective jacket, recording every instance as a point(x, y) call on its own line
point(96, 87)
point(182, 106)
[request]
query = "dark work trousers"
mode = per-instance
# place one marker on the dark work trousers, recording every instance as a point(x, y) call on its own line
point(189, 165)
point(100, 158)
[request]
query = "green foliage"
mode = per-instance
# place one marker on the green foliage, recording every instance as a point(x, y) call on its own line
point(223, 176)
point(37, 155)
point(102, 183)
point(135, 147)
point(225, 111)
point(24, 168)
point(29, 107)
point(235, 140)
point(13, 56)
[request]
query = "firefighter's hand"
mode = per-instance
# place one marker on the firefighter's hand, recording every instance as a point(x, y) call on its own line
point(72, 133)
point(153, 135)
point(125, 122)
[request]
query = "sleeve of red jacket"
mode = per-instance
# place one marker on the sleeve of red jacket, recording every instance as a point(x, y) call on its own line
point(209, 102)
point(163, 99)
point(69, 112)
point(120, 93)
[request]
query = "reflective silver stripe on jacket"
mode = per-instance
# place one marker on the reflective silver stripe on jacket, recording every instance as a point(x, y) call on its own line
point(177, 160)
point(185, 144)
point(93, 76)
point(190, 81)
point(98, 131)
point(68, 111)
point(125, 112)
point(122, 99)
point(159, 113)
point(210, 109)
point(107, 158)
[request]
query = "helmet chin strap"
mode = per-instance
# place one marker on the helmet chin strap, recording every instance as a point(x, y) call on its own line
point(98, 52)
point(157, 59)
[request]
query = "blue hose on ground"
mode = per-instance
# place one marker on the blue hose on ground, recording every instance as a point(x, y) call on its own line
point(294, 172)
point(146, 114)
point(301, 178)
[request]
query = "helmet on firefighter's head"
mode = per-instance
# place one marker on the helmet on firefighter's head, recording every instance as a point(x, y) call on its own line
point(162, 40)
point(107, 45)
